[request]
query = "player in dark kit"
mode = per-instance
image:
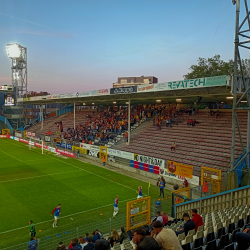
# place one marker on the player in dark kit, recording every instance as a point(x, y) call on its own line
point(32, 229)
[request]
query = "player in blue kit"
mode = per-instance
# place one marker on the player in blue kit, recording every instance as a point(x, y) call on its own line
point(116, 206)
point(56, 211)
point(140, 195)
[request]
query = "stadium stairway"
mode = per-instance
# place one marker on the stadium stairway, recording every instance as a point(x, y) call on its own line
point(205, 144)
point(3, 126)
point(66, 119)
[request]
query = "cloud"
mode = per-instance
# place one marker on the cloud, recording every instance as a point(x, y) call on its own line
point(54, 33)
point(37, 33)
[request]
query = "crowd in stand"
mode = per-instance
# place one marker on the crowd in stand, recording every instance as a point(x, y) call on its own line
point(156, 236)
point(107, 123)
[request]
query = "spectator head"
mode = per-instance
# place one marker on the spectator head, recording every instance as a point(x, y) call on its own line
point(59, 205)
point(162, 213)
point(30, 222)
point(186, 216)
point(139, 233)
point(157, 225)
point(123, 230)
point(102, 245)
point(82, 240)
point(117, 196)
point(63, 247)
point(60, 243)
point(158, 213)
point(193, 212)
point(87, 234)
point(32, 238)
point(74, 242)
point(89, 239)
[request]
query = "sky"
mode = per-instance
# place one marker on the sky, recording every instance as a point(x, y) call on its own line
point(83, 45)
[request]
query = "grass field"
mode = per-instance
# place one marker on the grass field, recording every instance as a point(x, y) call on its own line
point(32, 184)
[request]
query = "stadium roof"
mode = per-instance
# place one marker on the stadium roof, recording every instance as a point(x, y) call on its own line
point(216, 88)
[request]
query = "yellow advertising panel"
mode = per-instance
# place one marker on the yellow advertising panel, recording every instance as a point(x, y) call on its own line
point(180, 169)
point(81, 150)
point(25, 134)
point(103, 152)
point(138, 213)
point(5, 132)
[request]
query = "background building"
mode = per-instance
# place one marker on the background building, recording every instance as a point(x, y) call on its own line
point(133, 81)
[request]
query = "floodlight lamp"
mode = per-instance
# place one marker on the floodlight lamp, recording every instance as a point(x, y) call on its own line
point(114, 102)
point(178, 100)
point(230, 97)
point(158, 100)
point(13, 50)
point(234, 2)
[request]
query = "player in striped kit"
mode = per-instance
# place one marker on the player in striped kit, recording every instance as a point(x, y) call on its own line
point(116, 206)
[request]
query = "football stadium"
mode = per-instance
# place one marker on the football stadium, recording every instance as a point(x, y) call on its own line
point(142, 164)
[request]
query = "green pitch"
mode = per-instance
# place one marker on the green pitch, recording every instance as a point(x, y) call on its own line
point(32, 184)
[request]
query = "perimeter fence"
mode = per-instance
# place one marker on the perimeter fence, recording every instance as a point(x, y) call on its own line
point(105, 226)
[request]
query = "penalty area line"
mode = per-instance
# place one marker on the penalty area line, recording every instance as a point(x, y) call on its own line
point(39, 223)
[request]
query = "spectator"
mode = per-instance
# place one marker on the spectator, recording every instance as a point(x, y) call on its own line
point(91, 245)
point(86, 237)
point(161, 185)
point(164, 218)
point(173, 147)
point(94, 236)
point(166, 238)
point(170, 122)
point(243, 239)
point(217, 114)
point(71, 243)
point(32, 245)
point(99, 234)
point(142, 242)
point(185, 183)
point(82, 242)
point(189, 225)
point(114, 238)
point(197, 219)
point(76, 245)
point(123, 235)
point(102, 245)
point(158, 217)
point(63, 247)
point(205, 188)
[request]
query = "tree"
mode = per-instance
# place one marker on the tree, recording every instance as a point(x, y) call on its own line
point(214, 66)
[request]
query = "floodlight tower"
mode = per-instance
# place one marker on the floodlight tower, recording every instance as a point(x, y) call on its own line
point(18, 54)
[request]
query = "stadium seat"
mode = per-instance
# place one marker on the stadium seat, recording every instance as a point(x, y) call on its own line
point(224, 241)
point(186, 246)
point(181, 237)
point(240, 223)
point(209, 237)
point(220, 232)
point(229, 247)
point(233, 235)
point(211, 245)
point(231, 228)
point(188, 239)
point(198, 243)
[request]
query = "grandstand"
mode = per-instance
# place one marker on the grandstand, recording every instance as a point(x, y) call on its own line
point(206, 144)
